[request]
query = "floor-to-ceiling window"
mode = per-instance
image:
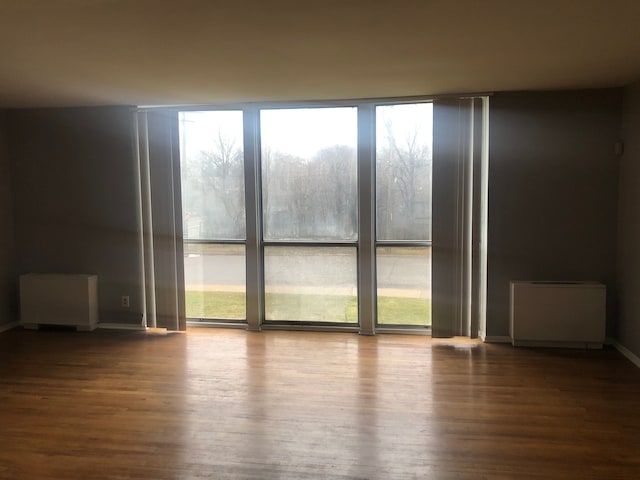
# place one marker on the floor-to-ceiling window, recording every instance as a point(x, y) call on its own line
point(309, 212)
point(365, 215)
point(213, 204)
point(309, 199)
point(403, 213)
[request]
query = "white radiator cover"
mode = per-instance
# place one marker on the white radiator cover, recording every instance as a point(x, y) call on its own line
point(557, 314)
point(58, 299)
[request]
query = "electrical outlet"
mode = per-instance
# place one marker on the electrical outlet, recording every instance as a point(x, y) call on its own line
point(124, 301)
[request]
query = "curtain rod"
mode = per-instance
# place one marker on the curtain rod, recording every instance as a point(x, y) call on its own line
point(313, 103)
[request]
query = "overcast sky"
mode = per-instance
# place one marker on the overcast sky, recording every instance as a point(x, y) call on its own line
point(302, 131)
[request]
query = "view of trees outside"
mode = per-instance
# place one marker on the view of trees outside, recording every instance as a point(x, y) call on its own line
point(212, 171)
point(310, 199)
point(309, 186)
point(403, 171)
point(309, 194)
point(404, 141)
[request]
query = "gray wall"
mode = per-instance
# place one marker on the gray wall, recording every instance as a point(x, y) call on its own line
point(553, 177)
point(552, 199)
point(7, 266)
point(75, 200)
point(629, 224)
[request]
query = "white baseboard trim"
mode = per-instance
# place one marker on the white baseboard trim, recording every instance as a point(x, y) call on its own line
point(632, 357)
point(495, 338)
point(121, 326)
point(8, 326)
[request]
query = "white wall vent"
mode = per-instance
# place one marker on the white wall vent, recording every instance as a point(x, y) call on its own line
point(55, 299)
point(559, 314)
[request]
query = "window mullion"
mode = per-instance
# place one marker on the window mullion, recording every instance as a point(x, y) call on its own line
point(255, 277)
point(366, 220)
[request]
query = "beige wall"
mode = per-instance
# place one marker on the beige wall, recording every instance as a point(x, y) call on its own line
point(7, 266)
point(629, 223)
point(75, 200)
point(553, 177)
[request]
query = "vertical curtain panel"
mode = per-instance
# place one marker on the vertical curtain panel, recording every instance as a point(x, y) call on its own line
point(457, 261)
point(159, 155)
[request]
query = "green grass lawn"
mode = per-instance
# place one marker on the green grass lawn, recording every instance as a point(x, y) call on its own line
point(230, 305)
point(328, 308)
point(404, 311)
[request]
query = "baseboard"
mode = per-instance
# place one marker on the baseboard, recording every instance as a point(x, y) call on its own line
point(8, 326)
point(632, 357)
point(495, 338)
point(121, 326)
point(197, 324)
point(405, 331)
point(310, 328)
point(557, 344)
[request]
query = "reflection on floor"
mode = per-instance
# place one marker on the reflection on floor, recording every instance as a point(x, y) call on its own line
point(228, 404)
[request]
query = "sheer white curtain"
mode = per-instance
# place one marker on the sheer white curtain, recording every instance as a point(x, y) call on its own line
point(161, 218)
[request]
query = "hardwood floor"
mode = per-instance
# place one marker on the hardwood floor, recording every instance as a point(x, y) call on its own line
point(228, 404)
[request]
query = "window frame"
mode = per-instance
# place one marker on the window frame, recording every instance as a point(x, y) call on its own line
point(367, 241)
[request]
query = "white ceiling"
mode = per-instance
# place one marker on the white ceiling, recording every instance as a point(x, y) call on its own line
point(160, 52)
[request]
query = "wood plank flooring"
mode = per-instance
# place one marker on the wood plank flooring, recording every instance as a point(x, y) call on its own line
point(228, 404)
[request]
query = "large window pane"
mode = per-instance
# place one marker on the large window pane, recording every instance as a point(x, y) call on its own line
point(404, 285)
point(212, 170)
point(403, 171)
point(309, 174)
point(313, 284)
point(215, 281)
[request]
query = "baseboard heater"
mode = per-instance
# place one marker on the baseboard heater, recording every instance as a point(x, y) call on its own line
point(58, 299)
point(557, 314)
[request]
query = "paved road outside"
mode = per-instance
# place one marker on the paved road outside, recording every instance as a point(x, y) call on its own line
point(398, 275)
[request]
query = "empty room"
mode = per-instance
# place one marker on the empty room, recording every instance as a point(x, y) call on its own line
point(319, 239)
